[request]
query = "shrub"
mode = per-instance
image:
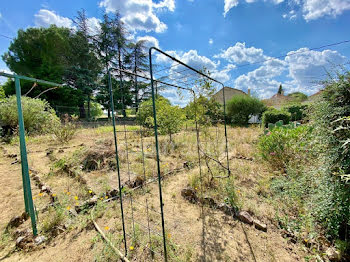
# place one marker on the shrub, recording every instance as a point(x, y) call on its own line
point(241, 107)
point(39, 117)
point(2, 93)
point(206, 110)
point(170, 119)
point(273, 115)
point(283, 145)
point(297, 111)
point(65, 131)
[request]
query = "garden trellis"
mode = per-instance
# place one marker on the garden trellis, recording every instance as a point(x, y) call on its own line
point(27, 191)
point(171, 78)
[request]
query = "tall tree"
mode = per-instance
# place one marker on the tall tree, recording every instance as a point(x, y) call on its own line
point(280, 90)
point(84, 69)
point(137, 62)
point(42, 53)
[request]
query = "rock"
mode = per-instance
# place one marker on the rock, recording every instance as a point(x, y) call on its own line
point(39, 240)
point(15, 222)
point(112, 193)
point(189, 194)
point(24, 242)
point(36, 178)
point(226, 209)
point(245, 217)
point(45, 189)
point(333, 254)
point(260, 225)
point(206, 200)
point(61, 151)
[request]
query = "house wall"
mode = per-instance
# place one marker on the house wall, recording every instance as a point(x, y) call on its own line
point(229, 93)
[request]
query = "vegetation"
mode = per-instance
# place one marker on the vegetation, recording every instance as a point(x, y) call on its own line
point(314, 193)
point(297, 111)
point(241, 107)
point(170, 118)
point(38, 116)
point(206, 111)
point(297, 97)
point(273, 115)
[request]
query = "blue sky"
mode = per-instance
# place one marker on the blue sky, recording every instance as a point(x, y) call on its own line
point(222, 35)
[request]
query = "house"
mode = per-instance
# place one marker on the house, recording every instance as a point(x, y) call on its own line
point(229, 93)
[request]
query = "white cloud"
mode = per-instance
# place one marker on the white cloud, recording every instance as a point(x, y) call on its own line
point(314, 9)
point(211, 41)
point(308, 67)
point(94, 25)
point(4, 79)
point(0, 15)
point(228, 5)
point(149, 41)
point(45, 18)
point(140, 14)
point(311, 9)
point(239, 53)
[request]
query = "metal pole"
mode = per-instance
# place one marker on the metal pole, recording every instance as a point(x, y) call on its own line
point(226, 142)
point(117, 158)
point(157, 152)
point(24, 161)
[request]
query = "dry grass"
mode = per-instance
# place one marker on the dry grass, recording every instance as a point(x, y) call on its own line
point(225, 238)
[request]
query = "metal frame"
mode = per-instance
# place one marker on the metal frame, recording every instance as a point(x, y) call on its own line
point(197, 130)
point(27, 191)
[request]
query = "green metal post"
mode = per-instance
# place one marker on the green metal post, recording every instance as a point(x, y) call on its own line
point(24, 161)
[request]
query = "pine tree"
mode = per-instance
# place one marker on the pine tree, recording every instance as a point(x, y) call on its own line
point(280, 90)
point(137, 62)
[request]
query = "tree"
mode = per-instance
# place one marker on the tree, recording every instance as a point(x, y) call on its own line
point(170, 118)
point(2, 93)
point(43, 53)
point(241, 107)
point(137, 62)
point(84, 69)
point(204, 110)
point(280, 90)
point(297, 97)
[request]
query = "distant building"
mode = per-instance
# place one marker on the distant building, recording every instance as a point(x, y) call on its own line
point(229, 93)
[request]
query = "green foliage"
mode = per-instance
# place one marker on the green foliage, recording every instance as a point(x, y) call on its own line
point(297, 111)
point(273, 115)
point(2, 93)
point(280, 90)
point(315, 191)
point(170, 119)
point(95, 109)
point(282, 145)
point(38, 116)
point(205, 110)
point(297, 97)
point(241, 107)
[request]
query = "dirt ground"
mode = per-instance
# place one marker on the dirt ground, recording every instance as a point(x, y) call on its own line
point(193, 234)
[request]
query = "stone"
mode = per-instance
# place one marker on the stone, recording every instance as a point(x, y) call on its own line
point(226, 209)
point(206, 200)
point(45, 189)
point(189, 194)
point(113, 193)
point(245, 217)
point(23, 242)
point(15, 222)
point(333, 254)
point(39, 240)
point(260, 225)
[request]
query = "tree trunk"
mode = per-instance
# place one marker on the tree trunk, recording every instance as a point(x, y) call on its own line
point(121, 82)
point(89, 102)
point(82, 113)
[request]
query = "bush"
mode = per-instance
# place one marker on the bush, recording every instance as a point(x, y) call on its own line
point(2, 93)
point(241, 107)
point(206, 110)
point(65, 131)
point(273, 115)
point(297, 111)
point(170, 119)
point(283, 145)
point(39, 117)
